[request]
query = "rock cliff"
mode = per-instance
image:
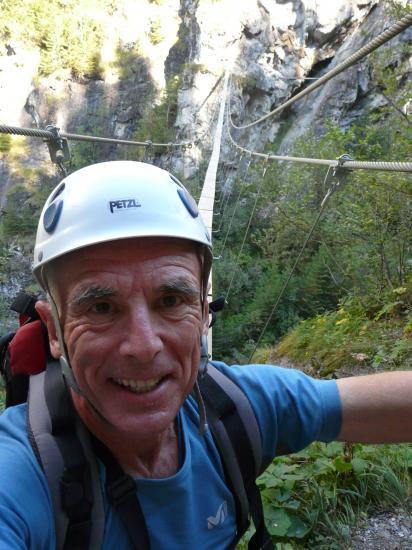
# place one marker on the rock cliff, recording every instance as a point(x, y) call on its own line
point(272, 47)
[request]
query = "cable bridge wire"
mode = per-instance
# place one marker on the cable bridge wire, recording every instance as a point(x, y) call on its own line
point(334, 185)
point(348, 162)
point(235, 207)
point(375, 43)
point(223, 170)
point(49, 134)
point(227, 196)
point(223, 174)
point(246, 234)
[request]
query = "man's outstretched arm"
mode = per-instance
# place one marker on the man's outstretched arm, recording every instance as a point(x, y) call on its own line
point(377, 408)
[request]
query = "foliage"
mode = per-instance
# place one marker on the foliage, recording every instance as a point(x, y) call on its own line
point(156, 32)
point(5, 143)
point(370, 331)
point(67, 32)
point(398, 9)
point(361, 247)
point(24, 202)
point(157, 122)
point(312, 498)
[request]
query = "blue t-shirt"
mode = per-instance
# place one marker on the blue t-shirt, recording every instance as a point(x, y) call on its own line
point(194, 507)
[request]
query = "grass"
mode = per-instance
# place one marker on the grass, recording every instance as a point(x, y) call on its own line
point(377, 333)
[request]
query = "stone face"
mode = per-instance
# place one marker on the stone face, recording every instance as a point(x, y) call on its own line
point(271, 47)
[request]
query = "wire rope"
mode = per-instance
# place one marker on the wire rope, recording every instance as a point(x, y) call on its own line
point(235, 209)
point(46, 134)
point(227, 198)
point(375, 43)
point(223, 171)
point(265, 166)
point(343, 162)
point(285, 284)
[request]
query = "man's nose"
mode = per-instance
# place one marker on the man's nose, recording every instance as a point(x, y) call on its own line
point(141, 340)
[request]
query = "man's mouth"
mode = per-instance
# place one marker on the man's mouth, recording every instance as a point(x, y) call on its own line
point(138, 386)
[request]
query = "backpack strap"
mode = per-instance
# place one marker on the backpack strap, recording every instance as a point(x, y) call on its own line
point(236, 431)
point(62, 446)
point(122, 494)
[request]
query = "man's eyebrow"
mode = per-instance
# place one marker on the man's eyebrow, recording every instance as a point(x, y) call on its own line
point(179, 286)
point(91, 292)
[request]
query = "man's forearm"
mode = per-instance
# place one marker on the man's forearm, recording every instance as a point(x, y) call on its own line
point(377, 408)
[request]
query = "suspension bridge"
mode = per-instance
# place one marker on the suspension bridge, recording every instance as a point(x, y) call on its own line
point(228, 134)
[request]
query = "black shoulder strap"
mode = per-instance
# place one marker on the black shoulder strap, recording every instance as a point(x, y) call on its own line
point(236, 431)
point(122, 494)
point(62, 446)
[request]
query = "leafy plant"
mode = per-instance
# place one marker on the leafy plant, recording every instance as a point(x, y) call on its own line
point(313, 498)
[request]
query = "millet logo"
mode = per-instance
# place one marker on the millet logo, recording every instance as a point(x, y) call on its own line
point(219, 518)
point(123, 204)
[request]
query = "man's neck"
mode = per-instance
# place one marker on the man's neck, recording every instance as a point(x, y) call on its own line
point(154, 459)
point(155, 456)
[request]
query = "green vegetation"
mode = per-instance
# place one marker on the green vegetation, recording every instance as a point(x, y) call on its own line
point(156, 33)
point(374, 331)
point(67, 33)
point(5, 143)
point(360, 253)
point(349, 302)
point(314, 498)
point(157, 122)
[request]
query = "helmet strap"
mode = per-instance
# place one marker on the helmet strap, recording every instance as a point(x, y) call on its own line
point(204, 355)
point(64, 357)
point(203, 425)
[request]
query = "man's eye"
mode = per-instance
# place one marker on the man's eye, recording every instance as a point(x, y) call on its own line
point(101, 308)
point(171, 301)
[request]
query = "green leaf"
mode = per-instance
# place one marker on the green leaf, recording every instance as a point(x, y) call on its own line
point(292, 504)
point(333, 449)
point(269, 481)
point(283, 469)
point(359, 465)
point(323, 466)
point(277, 521)
point(282, 494)
point(298, 528)
point(342, 465)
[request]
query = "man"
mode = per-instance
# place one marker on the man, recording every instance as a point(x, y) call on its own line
point(124, 259)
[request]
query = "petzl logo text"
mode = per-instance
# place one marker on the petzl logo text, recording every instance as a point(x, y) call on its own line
point(123, 204)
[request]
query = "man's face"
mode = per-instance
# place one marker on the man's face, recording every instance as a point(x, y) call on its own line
point(132, 321)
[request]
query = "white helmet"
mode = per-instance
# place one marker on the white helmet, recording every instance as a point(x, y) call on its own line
point(115, 200)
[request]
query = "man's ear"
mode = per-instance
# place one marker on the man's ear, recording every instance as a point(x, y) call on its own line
point(43, 308)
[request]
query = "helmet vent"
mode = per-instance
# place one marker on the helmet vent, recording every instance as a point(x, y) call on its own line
point(189, 202)
point(52, 215)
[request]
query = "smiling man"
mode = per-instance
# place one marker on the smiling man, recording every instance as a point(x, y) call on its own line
point(133, 319)
point(124, 259)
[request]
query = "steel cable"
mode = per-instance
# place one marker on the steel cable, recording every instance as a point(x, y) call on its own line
point(285, 284)
point(247, 230)
point(235, 209)
point(395, 29)
point(348, 164)
point(46, 134)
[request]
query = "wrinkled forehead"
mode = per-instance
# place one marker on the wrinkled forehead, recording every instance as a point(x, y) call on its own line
point(128, 251)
